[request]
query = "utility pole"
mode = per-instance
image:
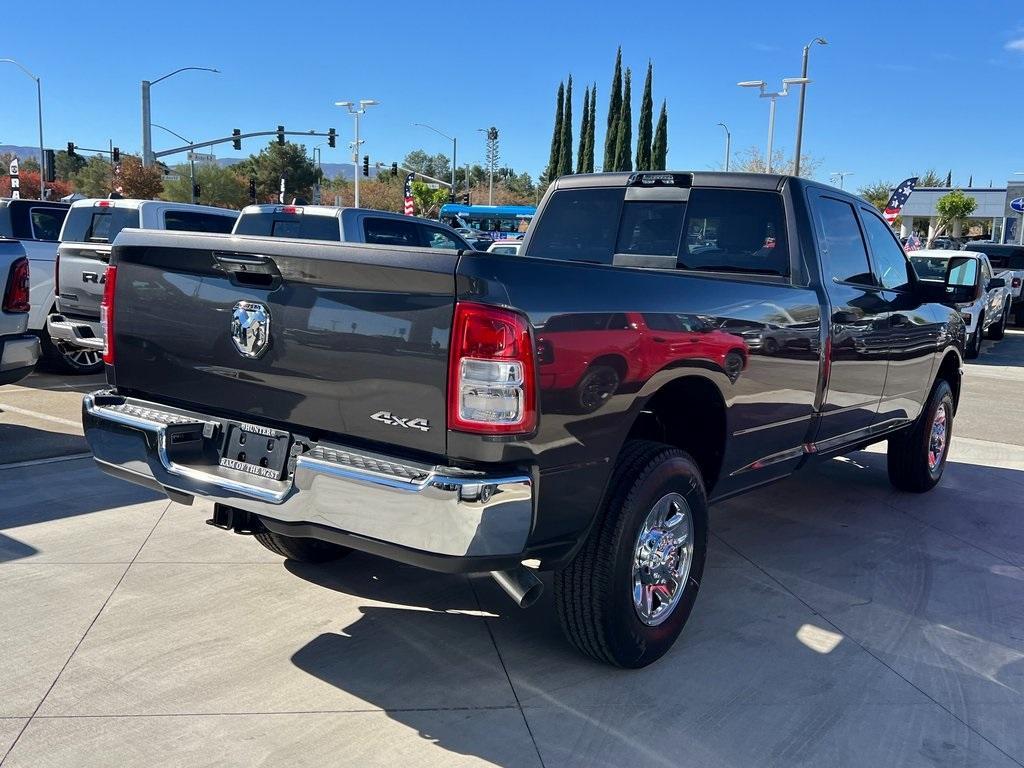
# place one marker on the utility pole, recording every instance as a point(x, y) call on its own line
point(800, 107)
point(39, 104)
point(728, 145)
point(147, 134)
point(491, 157)
point(357, 112)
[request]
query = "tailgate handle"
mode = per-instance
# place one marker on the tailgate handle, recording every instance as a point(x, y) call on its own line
point(249, 271)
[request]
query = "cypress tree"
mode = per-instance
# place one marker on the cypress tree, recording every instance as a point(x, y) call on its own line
point(624, 142)
point(646, 126)
point(556, 137)
point(611, 137)
point(659, 149)
point(591, 123)
point(581, 156)
point(565, 151)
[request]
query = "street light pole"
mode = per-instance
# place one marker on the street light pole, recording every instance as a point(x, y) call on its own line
point(728, 145)
point(841, 175)
point(191, 158)
point(147, 134)
point(360, 110)
point(800, 107)
point(454, 147)
point(772, 96)
point(39, 104)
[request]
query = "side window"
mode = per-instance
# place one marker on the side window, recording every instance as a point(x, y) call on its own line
point(46, 223)
point(650, 228)
point(391, 232)
point(578, 225)
point(732, 230)
point(194, 221)
point(890, 260)
point(986, 272)
point(845, 256)
point(438, 238)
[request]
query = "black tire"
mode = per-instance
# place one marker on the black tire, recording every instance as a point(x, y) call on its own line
point(1019, 316)
point(998, 330)
point(771, 346)
point(910, 468)
point(734, 363)
point(594, 593)
point(599, 383)
point(301, 550)
point(77, 362)
point(974, 341)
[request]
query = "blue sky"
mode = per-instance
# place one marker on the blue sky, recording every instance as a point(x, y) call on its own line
point(900, 87)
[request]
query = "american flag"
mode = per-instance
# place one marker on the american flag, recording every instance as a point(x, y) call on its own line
point(410, 209)
point(898, 199)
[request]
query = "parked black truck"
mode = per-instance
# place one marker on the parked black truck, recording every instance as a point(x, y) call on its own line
point(715, 332)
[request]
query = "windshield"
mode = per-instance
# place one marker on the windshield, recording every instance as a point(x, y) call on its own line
point(98, 224)
point(929, 267)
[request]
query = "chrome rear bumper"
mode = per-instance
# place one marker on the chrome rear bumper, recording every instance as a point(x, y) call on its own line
point(76, 333)
point(436, 510)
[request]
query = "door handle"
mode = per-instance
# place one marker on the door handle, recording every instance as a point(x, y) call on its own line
point(658, 339)
point(899, 321)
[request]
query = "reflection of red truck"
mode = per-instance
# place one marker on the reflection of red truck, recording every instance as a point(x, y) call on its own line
point(593, 354)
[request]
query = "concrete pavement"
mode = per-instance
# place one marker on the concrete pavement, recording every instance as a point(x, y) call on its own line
point(839, 623)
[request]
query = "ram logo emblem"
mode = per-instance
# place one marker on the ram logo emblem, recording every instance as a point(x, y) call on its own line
point(250, 328)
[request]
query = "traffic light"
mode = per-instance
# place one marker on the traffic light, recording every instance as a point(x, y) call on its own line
point(236, 142)
point(252, 190)
point(465, 198)
point(280, 135)
point(492, 134)
point(394, 169)
point(332, 137)
point(49, 167)
point(195, 191)
point(366, 165)
point(71, 149)
point(115, 155)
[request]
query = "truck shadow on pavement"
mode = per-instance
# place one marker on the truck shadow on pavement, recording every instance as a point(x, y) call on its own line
point(827, 600)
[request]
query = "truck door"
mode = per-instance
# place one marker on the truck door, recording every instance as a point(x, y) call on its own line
point(858, 326)
point(913, 329)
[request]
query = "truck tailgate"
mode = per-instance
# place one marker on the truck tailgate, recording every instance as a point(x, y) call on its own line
point(357, 343)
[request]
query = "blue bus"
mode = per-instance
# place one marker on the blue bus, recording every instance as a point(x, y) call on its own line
point(501, 222)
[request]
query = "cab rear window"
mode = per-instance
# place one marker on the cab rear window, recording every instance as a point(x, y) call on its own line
point(291, 226)
point(95, 224)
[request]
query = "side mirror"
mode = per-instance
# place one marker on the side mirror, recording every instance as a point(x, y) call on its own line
point(961, 284)
point(996, 282)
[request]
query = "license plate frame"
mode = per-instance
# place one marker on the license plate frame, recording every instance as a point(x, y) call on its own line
point(258, 451)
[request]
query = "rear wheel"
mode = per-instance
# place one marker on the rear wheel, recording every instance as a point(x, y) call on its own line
point(628, 592)
point(73, 360)
point(301, 549)
point(917, 457)
point(597, 385)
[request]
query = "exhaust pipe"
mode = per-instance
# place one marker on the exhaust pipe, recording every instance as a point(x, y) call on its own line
point(521, 584)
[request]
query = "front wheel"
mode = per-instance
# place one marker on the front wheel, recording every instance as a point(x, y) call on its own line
point(628, 592)
point(974, 340)
point(917, 457)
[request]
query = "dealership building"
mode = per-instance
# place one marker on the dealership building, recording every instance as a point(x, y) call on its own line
point(993, 209)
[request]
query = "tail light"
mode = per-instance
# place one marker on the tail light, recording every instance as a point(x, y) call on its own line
point(107, 314)
point(1015, 282)
point(56, 280)
point(16, 295)
point(545, 352)
point(491, 377)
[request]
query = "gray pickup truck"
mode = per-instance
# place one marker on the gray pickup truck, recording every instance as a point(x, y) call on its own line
point(19, 349)
point(663, 341)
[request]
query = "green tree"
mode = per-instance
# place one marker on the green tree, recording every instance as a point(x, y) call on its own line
point(645, 129)
point(428, 200)
point(556, 137)
point(277, 160)
point(581, 156)
point(565, 148)
point(592, 126)
point(930, 179)
point(29, 164)
point(624, 143)
point(66, 166)
point(218, 186)
point(611, 136)
point(659, 147)
point(952, 208)
point(877, 193)
point(439, 166)
point(95, 178)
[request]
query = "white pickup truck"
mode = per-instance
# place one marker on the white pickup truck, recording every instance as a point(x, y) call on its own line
point(988, 313)
point(1009, 258)
point(37, 224)
point(19, 349)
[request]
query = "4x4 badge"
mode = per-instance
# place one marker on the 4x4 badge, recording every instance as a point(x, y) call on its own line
point(386, 417)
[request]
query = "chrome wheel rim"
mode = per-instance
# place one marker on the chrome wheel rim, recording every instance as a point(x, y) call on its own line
point(662, 557)
point(937, 439)
point(83, 358)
